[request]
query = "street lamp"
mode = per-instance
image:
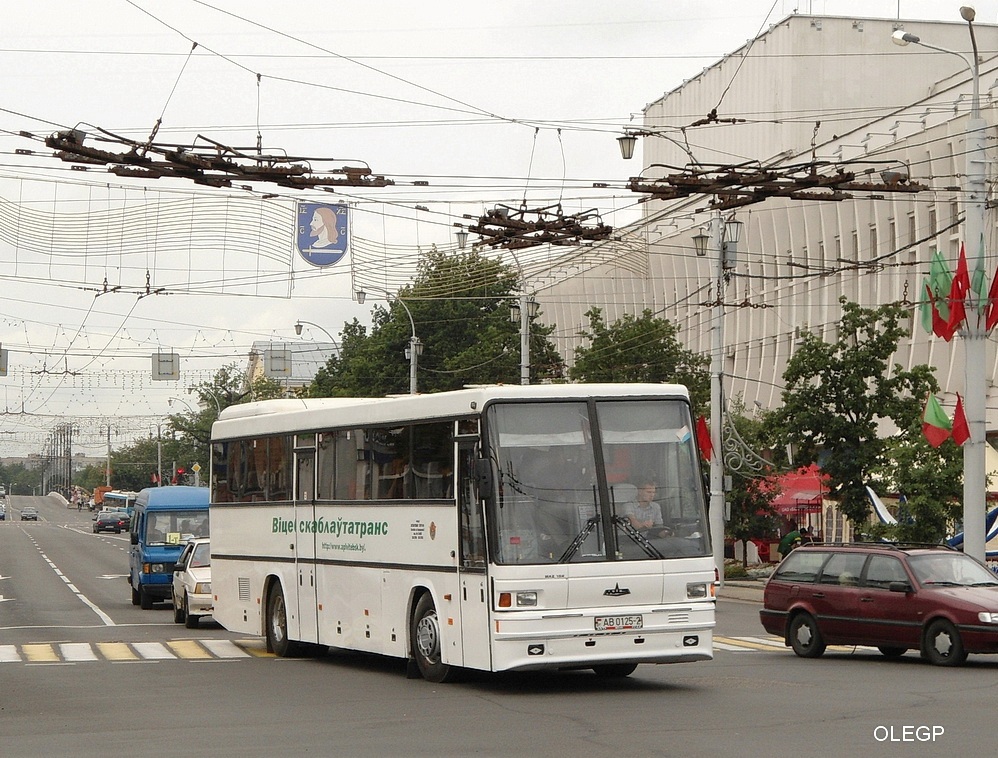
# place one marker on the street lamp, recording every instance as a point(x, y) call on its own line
point(723, 236)
point(170, 400)
point(627, 143)
point(415, 348)
point(298, 327)
point(209, 393)
point(974, 334)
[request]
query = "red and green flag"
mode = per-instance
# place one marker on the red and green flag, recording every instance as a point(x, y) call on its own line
point(936, 425)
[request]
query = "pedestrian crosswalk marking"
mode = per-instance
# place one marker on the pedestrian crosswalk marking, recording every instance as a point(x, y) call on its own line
point(189, 650)
point(83, 652)
point(771, 643)
point(116, 651)
point(77, 651)
point(225, 649)
point(39, 653)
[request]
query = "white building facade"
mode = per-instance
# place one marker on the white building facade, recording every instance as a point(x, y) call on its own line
point(808, 89)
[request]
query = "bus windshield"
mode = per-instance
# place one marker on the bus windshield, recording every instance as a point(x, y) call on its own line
point(175, 527)
point(584, 482)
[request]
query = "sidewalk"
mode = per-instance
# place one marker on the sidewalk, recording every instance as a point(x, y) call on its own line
point(742, 589)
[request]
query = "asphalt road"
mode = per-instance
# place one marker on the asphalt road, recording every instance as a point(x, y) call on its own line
point(67, 687)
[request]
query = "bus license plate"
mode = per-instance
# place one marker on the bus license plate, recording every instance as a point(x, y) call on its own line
point(615, 623)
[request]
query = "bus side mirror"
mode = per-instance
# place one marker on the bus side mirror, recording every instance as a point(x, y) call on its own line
point(483, 478)
point(135, 538)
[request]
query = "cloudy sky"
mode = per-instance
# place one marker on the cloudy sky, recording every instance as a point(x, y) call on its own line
point(462, 104)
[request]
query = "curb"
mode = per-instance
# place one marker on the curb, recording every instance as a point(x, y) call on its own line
point(742, 590)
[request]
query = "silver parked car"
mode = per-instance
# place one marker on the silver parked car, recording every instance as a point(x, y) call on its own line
point(191, 592)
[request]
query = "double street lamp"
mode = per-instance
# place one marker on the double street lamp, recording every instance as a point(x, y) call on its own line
point(415, 348)
point(975, 338)
point(721, 239)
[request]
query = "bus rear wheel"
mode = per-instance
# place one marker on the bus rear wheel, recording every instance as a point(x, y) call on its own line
point(277, 625)
point(425, 635)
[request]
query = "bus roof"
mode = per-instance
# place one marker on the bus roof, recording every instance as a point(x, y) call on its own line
point(290, 415)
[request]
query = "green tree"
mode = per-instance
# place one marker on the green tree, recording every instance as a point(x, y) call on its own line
point(931, 480)
point(20, 479)
point(460, 309)
point(837, 393)
point(641, 348)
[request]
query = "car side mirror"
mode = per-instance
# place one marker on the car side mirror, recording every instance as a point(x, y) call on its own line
point(899, 587)
point(178, 567)
point(135, 538)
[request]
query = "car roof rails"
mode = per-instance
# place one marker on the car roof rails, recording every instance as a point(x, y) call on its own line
point(887, 545)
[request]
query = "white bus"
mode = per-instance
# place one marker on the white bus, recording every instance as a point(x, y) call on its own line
point(484, 528)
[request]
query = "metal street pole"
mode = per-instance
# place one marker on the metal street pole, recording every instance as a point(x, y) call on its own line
point(415, 346)
point(716, 517)
point(975, 338)
point(524, 340)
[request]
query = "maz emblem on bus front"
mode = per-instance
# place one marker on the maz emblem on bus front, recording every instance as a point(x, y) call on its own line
point(617, 591)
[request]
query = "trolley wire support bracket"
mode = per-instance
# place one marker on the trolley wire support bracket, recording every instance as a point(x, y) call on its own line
point(517, 228)
point(212, 164)
point(745, 184)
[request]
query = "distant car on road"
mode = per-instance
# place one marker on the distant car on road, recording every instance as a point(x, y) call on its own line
point(192, 584)
point(125, 516)
point(3, 513)
point(110, 521)
point(29, 513)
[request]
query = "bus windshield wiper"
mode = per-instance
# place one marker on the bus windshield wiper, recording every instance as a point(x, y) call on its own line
point(580, 538)
point(625, 524)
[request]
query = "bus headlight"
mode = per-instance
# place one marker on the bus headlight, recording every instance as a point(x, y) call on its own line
point(154, 568)
point(524, 599)
point(696, 591)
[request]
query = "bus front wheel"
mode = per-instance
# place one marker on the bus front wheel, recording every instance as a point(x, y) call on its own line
point(425, 634)
point(277, 625)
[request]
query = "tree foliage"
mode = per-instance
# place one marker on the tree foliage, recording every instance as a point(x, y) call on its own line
point(931, 481)
point(460, 311)
point(838, 393)
point(641, 348)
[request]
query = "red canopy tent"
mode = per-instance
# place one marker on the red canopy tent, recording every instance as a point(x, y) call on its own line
point(801, 492)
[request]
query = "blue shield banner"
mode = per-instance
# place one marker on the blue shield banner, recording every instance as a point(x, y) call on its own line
point(322, 232)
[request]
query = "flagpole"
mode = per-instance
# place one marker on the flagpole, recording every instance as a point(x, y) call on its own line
point(975, 342)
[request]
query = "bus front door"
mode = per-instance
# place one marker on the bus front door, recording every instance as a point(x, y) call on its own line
point(475, 633)
point(305, 545)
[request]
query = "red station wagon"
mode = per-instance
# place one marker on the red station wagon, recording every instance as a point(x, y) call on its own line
point(893, 597)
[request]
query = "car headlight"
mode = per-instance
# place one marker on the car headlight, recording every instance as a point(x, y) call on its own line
point(155, 568)
point(202, 588)
point(988, 617)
